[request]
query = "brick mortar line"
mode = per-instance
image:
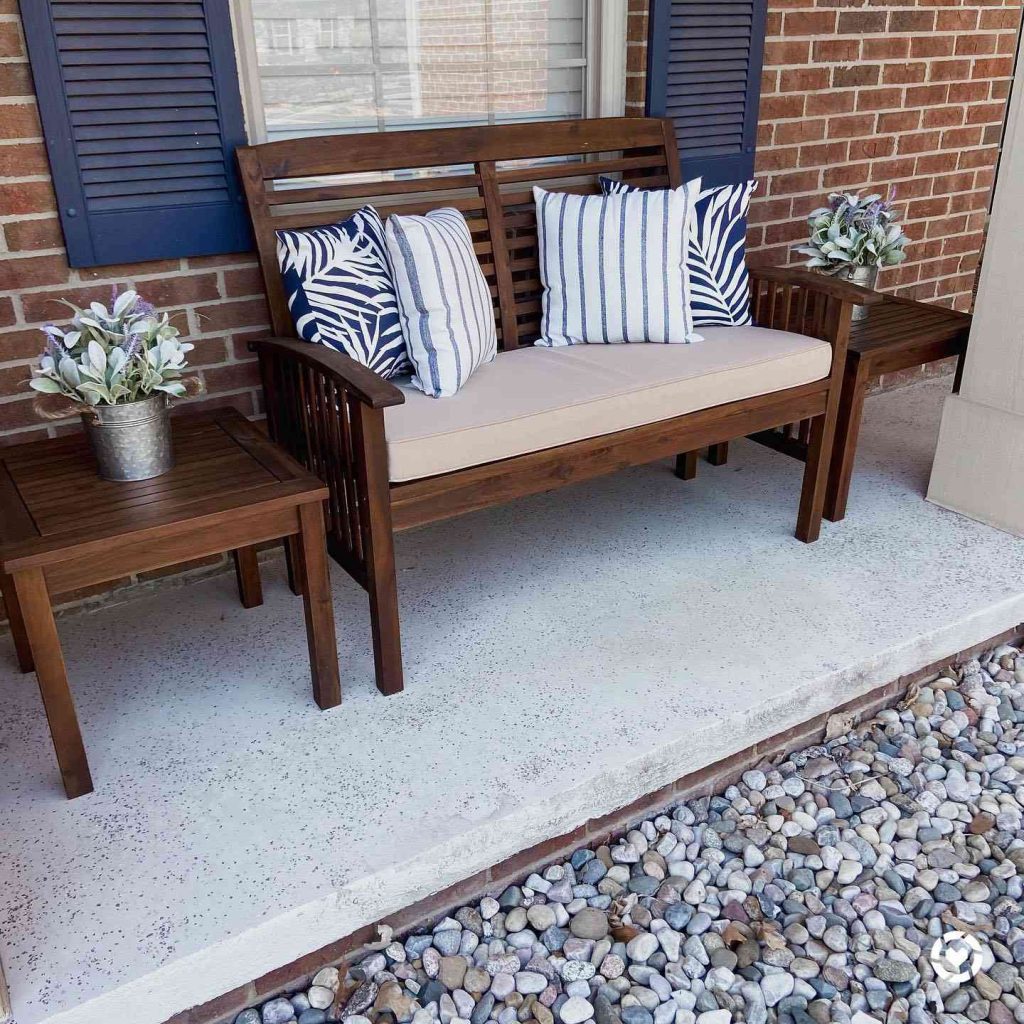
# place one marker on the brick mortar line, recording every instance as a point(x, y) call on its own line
point(836, 36)
point(182, 306)
point(875, 111)
point(886, 62)
point(143, 279)
point(801, 222)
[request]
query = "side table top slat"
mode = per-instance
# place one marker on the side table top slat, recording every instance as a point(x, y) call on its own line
point(54, 502)
point(57, 471)
point(224, 469)
point(895, 322)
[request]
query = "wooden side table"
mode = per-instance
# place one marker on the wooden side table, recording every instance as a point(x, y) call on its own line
point(897, 334)
point(62, 527)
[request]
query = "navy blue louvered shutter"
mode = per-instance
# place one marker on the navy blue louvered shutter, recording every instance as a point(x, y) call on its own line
point(704, 62)
point(141, 115)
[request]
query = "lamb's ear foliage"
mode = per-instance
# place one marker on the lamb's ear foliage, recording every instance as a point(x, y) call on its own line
point(854, 231)
point(112, 356)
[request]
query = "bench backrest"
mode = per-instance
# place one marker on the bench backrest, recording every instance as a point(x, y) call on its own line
point(285, 188)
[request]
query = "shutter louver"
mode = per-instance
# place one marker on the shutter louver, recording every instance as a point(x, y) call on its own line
point(704, 72)
point(141, 113)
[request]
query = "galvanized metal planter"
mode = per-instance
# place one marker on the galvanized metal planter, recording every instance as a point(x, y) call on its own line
point(131, 441)
point(866, 277)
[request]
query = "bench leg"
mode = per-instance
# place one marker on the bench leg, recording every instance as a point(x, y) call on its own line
point(718, 454)
point(379, 550)
point(317, 607)
point(34, 598)
point(844, 451)
point(387, 643)
point(12, 606)
point(686, 465)
point(812, 495)
point(247, 573)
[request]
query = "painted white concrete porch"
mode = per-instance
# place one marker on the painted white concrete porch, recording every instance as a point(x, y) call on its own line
point(564, 655)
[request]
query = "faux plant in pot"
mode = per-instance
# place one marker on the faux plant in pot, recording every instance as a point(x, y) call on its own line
point(118, 367)
point(854, 237)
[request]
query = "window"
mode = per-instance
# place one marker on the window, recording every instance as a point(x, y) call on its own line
point(311, 67)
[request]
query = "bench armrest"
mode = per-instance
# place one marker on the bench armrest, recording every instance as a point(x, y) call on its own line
point(831, 286)
point(358, 380)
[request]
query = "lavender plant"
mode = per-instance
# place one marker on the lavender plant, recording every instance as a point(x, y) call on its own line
point(109, 357)
point(855, 231)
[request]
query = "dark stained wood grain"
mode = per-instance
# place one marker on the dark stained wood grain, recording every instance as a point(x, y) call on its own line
point(64, 528)
point(441, 147)
point(897, 334)
point(326, 411)
point(718, 454)
point(22, 648)
point(53, 681)
point(440, 497)
point(316, 600)
point(851, 407)
point(379, 547)
point(819, 449)
point(247, 574)
point(686, 465)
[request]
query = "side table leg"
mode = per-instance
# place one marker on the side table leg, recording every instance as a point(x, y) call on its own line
point(22, 648)
point(718, 454)
point(319, 611)
point(293, 564)
point(844, 451)
point(247, 572)
point(53, 681)
point(686, 465)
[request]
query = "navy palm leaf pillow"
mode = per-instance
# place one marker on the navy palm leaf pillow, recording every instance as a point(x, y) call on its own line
point(715, 253)
point(341, 292)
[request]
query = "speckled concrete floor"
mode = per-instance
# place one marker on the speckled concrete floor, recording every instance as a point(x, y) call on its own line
point(564, 655)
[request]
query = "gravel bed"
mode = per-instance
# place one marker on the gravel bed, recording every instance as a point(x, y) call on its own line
point(811, 891)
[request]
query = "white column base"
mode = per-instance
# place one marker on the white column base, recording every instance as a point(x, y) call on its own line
point(979, 464)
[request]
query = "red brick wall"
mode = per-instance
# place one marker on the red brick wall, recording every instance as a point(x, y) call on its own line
point(218, 301)
point(859, 94)
point(853, 96)
point(863, 96)
point(636, 56)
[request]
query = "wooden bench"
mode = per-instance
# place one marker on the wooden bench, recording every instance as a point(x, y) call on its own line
point(328, 410)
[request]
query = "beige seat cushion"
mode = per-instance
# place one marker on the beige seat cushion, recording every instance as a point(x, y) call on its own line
point(540, 398)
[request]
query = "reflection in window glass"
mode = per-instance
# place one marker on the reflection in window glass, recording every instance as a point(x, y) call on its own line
point(331, 66)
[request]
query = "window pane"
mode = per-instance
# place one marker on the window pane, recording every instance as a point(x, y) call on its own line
point(356, 65)
point(306, 104)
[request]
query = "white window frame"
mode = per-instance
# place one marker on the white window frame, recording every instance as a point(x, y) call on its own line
point(604, 92)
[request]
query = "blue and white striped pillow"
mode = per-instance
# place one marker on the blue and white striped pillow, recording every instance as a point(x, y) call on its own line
point(613, 267)
point(446, 307)
point(340, 291)
point(716, 254)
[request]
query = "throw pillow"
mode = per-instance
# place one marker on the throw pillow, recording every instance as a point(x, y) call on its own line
point(340, 290)
point(447, 312)
point(716, 255)
point(613, 267)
